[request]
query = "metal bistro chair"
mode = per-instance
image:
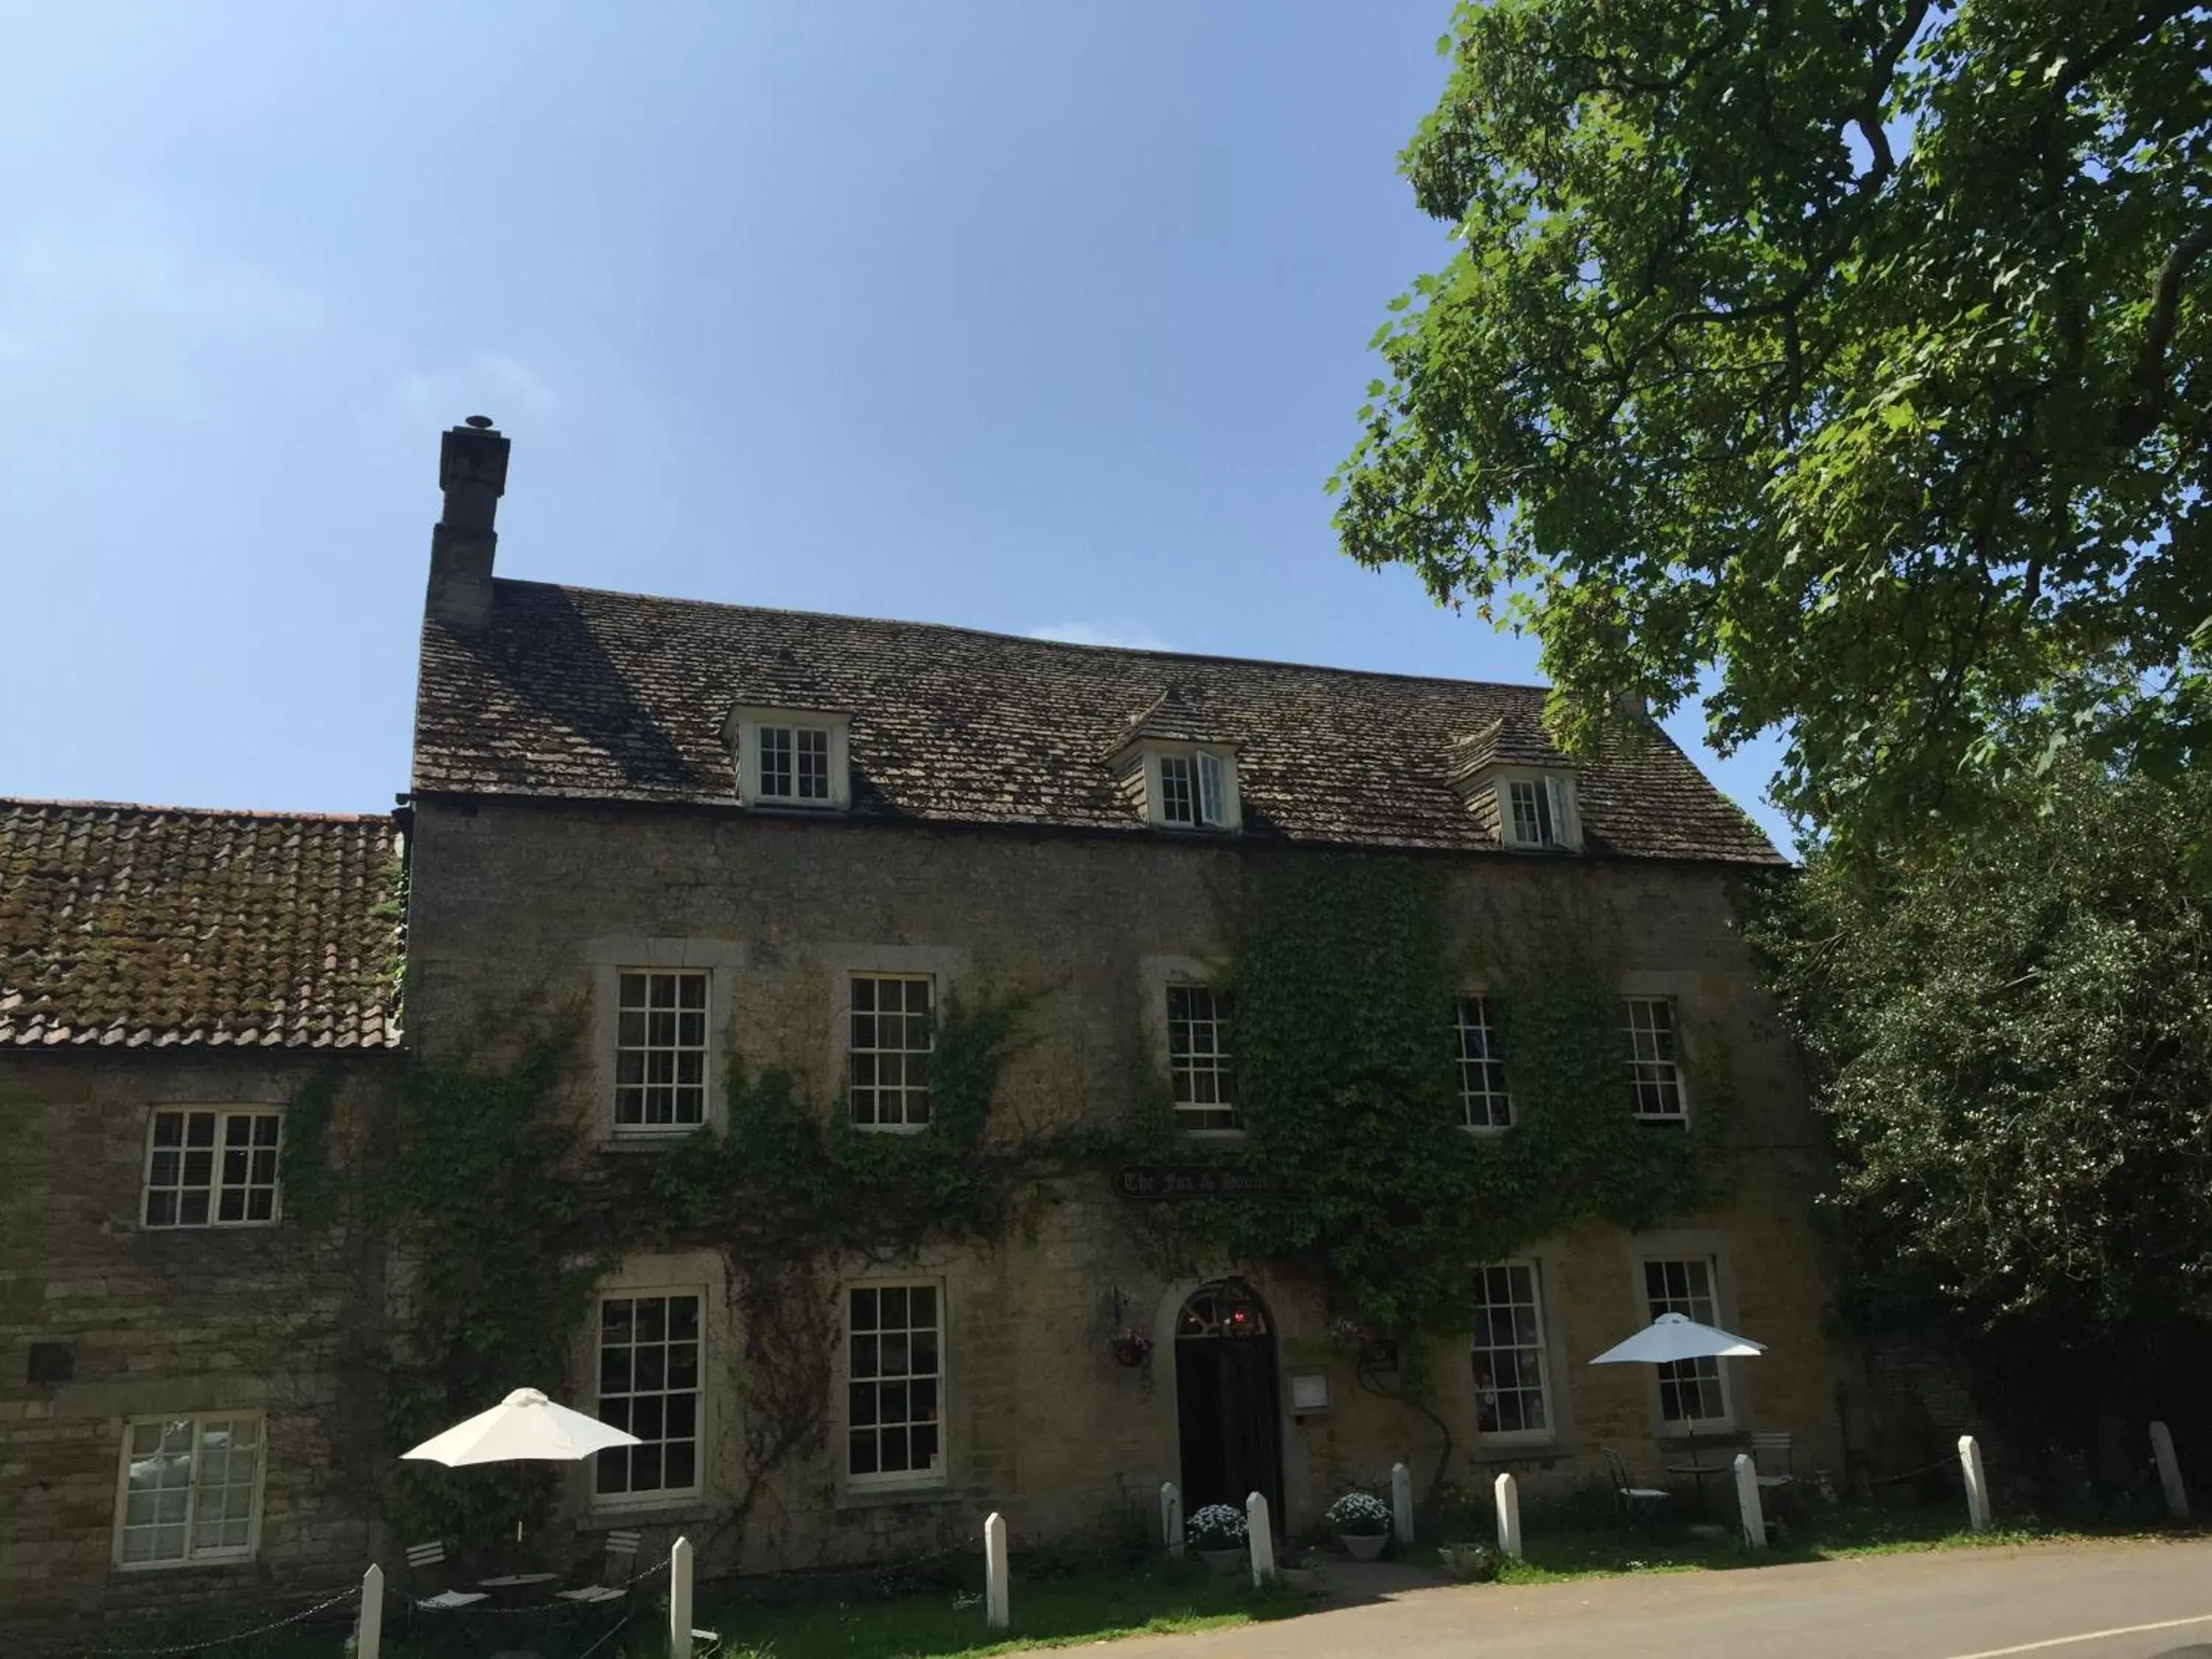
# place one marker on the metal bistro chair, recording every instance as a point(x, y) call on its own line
point(1640, 1505)
point(615, 1574)
point(1771, 1455)
point(1766, 1451)
point(426, 1580)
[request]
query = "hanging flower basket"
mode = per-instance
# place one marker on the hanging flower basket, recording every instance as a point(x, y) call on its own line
point(1130, 1348)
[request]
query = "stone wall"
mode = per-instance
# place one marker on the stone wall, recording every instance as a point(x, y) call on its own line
point(157, 1322)
point(518, 904)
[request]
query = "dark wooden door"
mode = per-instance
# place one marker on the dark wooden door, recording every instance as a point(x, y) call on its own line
point(1228, 1413)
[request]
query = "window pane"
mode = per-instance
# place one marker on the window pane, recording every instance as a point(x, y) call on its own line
point(660, 1050)
point(649, 1385)
point(892, 1396)
point(1200, 1066)
point(891, 1034)
point(1508, 1351)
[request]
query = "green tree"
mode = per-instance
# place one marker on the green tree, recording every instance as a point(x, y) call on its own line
point(2012, 1039)
point(1844, 358)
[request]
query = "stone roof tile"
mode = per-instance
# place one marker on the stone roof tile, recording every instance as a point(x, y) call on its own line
point(158, 925)
point(576, 694)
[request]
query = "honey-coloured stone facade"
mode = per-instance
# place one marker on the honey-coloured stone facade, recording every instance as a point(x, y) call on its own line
point(531, 904)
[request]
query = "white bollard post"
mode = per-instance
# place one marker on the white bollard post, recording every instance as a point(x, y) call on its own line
point(1259, 1539)
point(2169, 1472)
point(1746, 1501)
point(998, 1611)
point(368, 1630)
point(1978, 1489)
point(1401, 1503)
point(1171, 1518)
point(1509, 1515)
point(679, 1599)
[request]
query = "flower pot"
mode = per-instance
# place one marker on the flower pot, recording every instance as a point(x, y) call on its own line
point(1362, 1546)
point(1225, 1562)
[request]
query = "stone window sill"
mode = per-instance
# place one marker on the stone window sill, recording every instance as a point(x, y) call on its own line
point(880, 1498)
point(684, 1512)
point(1547, 1450)
point(660, 1143)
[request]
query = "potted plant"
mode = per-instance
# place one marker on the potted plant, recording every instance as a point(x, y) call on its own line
point(1361, 1522)
point(1130, 1347)
point(1217, 1532)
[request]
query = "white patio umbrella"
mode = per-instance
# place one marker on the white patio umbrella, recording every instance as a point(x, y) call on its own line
point(1674, 1336)
point(524, 1427)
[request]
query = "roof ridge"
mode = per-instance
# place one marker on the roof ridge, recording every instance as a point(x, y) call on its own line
point(1141, 652)
point(150, 809)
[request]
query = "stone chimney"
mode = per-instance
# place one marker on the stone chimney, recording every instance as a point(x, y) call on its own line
point(472, 472)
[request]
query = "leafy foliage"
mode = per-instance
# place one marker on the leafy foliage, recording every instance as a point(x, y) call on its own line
point(2013, 1042)
point(1856, 351)
point(482, 1199)
point(1345, 1061)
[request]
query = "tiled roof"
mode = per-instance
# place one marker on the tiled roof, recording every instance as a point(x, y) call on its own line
point(137, 926)
point(580, 695)
point(1512, 739)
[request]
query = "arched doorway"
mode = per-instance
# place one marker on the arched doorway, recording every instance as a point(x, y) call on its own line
point(1226, 1405)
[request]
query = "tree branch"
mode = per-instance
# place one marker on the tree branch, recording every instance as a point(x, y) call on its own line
point(2142, 417)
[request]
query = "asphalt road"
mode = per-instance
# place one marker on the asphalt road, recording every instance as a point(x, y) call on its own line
point(2137, 1600)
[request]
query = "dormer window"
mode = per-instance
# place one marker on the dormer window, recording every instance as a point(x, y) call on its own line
point(1194, 790)
point(790, 757)
point(1511, 774)
point(794, 763)
point(1177, 769)
point(1538, 813)
point(1190, 788)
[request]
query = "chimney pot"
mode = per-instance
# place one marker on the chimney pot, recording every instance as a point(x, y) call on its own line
point(473, 474)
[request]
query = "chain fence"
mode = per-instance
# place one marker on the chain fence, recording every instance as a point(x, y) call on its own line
point(211, 1644)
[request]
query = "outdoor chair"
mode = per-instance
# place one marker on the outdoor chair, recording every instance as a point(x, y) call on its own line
point(426, 1580)
point(616, 1572)
point(1640, 1505)
point(1771, 1455)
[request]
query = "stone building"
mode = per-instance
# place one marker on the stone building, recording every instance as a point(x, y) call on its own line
point(178, 1353)
point(742, 836)
point(719, 843)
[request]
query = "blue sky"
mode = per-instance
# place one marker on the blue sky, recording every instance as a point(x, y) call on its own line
point(1037, 317)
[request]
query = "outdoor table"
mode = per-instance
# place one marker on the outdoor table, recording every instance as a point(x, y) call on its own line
point(1698, 1472)
point(515, 1592)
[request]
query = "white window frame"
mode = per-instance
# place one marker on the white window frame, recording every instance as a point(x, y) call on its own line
point(216, 1182)
point(1494, 1100)
point(743, 730)
point(927, 1091)
point(704, 1048)
point(1654, 1063)
point(657, 1497)
point(1705, 1309)
point(936, 1474)
point(1540, 1346)
point(1221, 1059)
point(1554, 795)
point(192, 1558)
point(1209, 774)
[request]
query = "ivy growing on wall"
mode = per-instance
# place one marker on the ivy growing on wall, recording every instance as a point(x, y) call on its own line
point(1347, 1068)
point(479, 1192)
point(1344, 988)
point(505, 1224)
